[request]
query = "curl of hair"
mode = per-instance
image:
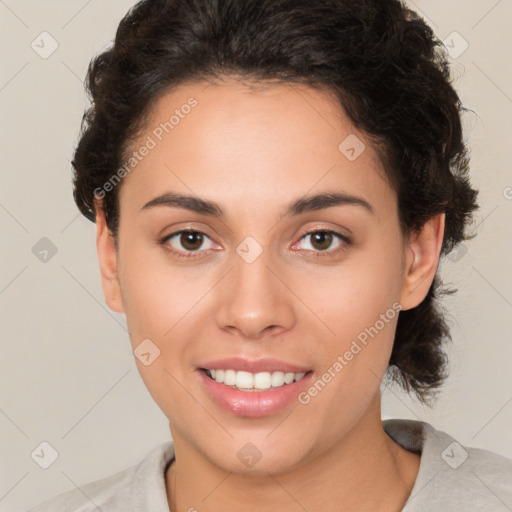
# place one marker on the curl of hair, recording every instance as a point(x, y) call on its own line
point(382, 62)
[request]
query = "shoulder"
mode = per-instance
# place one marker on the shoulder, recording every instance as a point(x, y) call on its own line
point(110, 493)
point(116, 493)
point(452, 475)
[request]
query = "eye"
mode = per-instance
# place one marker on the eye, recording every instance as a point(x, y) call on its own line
point(186, 241)
point(190, 243)
point(321, 240)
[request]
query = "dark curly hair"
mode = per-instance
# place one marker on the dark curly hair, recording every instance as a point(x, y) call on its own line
point(386, 68)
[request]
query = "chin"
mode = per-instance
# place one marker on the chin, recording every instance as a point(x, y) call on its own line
point(269, 462)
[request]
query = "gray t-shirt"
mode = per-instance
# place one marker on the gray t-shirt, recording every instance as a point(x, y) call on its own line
point(451, 478)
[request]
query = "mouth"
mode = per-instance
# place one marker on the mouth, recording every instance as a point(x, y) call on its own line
point(253, 389)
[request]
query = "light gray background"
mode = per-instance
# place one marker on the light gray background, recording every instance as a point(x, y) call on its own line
point(67, 374)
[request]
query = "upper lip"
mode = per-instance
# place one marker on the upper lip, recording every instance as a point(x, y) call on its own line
point(253, 365)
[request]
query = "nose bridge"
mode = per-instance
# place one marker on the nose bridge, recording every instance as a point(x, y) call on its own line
point(253, 298)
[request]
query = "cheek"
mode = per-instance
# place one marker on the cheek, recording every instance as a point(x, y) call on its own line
point(156, 294)
point(352, 297)
point(359, 302)
point(161, 305)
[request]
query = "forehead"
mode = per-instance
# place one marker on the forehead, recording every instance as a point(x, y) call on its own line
point(239, 143)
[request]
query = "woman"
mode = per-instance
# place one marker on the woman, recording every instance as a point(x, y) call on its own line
point(273, 183)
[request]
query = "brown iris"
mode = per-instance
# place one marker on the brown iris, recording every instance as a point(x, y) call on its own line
point(191, 240)
point(321, 240)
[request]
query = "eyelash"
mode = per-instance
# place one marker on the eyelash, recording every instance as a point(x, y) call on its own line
point(192, 254)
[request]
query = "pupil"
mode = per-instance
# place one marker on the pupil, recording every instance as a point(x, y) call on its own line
point(191, 241)
point(324, 237)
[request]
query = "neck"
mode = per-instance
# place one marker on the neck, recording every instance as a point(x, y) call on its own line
point(365, 470)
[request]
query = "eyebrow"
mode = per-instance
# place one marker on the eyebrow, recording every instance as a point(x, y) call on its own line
point(301, 205)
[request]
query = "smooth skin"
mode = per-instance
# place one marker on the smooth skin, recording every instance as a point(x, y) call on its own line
point(253, 151)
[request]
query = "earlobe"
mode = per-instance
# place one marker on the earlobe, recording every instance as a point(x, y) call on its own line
point(107, 259)
point(421, 261)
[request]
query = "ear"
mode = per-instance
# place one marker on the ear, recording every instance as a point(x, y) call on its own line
point(107, 258)
point(421, 260)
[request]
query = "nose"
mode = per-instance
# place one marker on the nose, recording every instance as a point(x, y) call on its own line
point(254, 299)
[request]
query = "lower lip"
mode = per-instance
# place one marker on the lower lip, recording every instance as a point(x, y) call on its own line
point(254, 404)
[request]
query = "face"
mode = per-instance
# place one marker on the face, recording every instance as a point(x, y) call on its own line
point(265, 284)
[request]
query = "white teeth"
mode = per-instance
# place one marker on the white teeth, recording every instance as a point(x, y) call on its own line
point(288, 377)
point(262, 380)
point(252, 381)
point(244, 380)
point(277, 379)
point(230, 377)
